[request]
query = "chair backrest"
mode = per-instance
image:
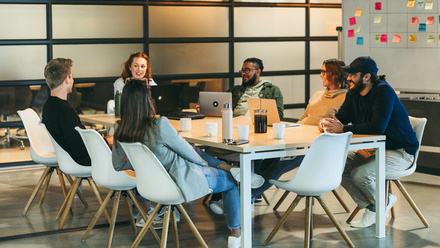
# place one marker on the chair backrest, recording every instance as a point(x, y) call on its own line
point(152, 180)
point(38, 136)
point(322, 167)
point(103, 171)
point(418, 125)
point(66, 162)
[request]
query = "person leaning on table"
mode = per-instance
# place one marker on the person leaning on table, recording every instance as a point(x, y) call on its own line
point(372, 107)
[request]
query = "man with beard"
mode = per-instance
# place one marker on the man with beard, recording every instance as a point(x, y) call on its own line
point(253, 87)
point(372, 107)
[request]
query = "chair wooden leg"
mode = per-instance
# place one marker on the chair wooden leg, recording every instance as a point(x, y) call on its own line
point(111, 229)
point(98, 196)
point(130, 212)
point(335, 222)
point(352, 215)
point(46, 186)
point(36, 189)
point(281, 200)
point(191, 225)
point(148, 222)
point(174, 228)
point(68, 202)
point(308, 219)
point(411, 202)
point(265, 199)
point(79, 194)
point(63, 184)
point(144, 216)
point(63, 206)
point(283, 219)
point(390, 189)
point(207, 197)
point(97, 215)
point(166, 222)
point(341, 201)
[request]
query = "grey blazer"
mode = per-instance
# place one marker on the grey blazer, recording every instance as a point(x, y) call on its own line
point(177, 156)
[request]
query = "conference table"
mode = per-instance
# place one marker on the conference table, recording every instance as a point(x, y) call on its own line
point(296, 141)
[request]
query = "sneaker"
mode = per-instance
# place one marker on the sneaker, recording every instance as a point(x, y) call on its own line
point(258, 199)
point(391, 201)
point(368, 219)
point(256, 180)
point(157, 222)
point(234, 242)
point(217, 207)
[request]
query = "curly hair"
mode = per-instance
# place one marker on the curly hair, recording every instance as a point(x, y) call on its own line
point(126, 73)
point(335, 74)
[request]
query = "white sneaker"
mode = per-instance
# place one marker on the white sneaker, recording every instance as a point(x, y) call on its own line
point(217, 207)
point(368, 219)
point(234, 242)
point(256, 180)
point(391, 201)
point(157, 222)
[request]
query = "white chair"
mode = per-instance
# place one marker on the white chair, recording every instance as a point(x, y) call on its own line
point(80, 172)
point(154, 183)
point(418, 125)
point(42, 152)
point(118, 182)
point(320, 172)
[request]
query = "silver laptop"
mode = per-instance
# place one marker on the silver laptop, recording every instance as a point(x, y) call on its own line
point(211, 103)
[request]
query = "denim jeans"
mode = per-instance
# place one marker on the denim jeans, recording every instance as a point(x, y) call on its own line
point(212, 161)
point(222, 181)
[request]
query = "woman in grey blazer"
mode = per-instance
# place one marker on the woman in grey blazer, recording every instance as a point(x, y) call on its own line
point(190, 172)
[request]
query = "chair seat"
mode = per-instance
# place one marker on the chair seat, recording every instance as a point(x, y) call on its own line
point(78, 171)
point(46, 160)
point(125, 184)
point(398, 174)
point(302, 189)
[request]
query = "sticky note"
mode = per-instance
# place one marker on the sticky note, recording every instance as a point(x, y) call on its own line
point(396, 38)
point(350, 33)
point(420, 4)
point(360, 41)
point(357, 28)
point(352, 21)
point(430, 20)
point(414, 20)
point(422, 27)
point(429, 5)
point(412, 38)
point(383, 38)
point(378, 6)
point(411, 3)
point(358, 12)
point(430, 39)
point(377, 19)
point(377, 38)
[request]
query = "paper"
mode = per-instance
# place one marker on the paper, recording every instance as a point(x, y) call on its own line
point(352, 21)
point(414, 20)
point(377, 38)
point(360, 41)
point(422, 27)
point(412, 38)
point(396, 38)
point(430, 20)
point(357, 28)
point(383, 38)
point(420, 4)
point(350, 33)
point(431, 38)
point(411, 3)
point(358, 12)
point(377, 19)
point(429, 5)
point(378, 6)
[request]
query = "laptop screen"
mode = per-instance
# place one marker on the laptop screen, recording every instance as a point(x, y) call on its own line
point(167, 98)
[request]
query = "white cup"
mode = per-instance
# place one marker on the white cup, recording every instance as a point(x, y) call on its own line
point(322, 125)
point(185, 124)
point(243, 132)
point(211, 129)
point(278, 130)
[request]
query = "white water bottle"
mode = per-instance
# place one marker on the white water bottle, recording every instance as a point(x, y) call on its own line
point(227, 123)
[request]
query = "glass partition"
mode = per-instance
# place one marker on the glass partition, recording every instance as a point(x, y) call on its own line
point(19, 21)
point(320, 51)
point(323, 21)
point(22, 62)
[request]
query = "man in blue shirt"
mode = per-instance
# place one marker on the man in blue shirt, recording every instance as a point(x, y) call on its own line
point(372, 107)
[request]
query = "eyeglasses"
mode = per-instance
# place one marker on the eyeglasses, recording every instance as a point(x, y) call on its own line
point(246, 71)
point(323, 72)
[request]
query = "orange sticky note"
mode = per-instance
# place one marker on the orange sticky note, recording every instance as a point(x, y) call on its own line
point(396, 38)
point(358, 12)
point(411, 3)
point(430, 20)
point(350, 33)
point(414, 20)
point(412, 38)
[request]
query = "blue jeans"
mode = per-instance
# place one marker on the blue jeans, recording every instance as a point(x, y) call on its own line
point(222, 181)
point(212, 161)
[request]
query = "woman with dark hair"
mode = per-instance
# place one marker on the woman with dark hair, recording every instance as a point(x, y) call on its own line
point(136, 66)
point(187, 168)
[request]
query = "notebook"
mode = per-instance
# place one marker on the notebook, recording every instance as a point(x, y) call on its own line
point(211, 103)
point(272, 111)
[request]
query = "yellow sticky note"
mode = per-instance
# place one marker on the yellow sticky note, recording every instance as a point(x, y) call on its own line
point(377, 19)
point(411, 3)
point(377, 38)
point(431, 38)
point(357, 28)
point(412, 38)
point(429, 5)
point(358, 12)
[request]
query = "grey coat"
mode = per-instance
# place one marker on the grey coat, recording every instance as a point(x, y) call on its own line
point(176, 155)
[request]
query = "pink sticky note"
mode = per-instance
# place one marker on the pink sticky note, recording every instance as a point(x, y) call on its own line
point(383, 38)
point(430, 20)
point(396, 38)
point(378, 6)
point(414, 20)
point(352, 21)
point(350, 32)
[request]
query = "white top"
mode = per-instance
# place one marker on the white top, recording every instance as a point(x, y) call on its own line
point(119, 84)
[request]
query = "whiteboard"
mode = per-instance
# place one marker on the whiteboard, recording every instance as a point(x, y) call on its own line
point(407, 65)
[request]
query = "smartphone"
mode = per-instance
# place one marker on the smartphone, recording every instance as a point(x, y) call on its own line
point(238, 142)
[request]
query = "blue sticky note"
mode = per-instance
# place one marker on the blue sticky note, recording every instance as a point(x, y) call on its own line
point(438, 19)
point(422, 27)
point(360, 41)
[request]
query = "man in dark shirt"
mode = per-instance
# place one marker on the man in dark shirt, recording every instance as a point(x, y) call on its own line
point(60, 119)
point(372, 107)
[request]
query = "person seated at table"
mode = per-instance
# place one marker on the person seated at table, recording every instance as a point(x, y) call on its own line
point(190, 172)
point(137, 66)
point(322, 104)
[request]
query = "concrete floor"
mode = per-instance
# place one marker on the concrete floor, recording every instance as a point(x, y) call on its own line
point(39, 228)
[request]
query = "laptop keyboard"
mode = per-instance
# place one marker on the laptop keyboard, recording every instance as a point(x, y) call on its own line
point(183, 114)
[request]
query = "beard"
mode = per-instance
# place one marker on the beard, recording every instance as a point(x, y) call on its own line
point(250, 82)
point(358, 87)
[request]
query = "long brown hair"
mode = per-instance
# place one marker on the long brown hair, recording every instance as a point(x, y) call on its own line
point(137, 112)
point(126, 73)
point(335, 74)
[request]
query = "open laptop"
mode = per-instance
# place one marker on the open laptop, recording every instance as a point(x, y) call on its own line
point(211, 103)
point(272, 111)
point(167, 101)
